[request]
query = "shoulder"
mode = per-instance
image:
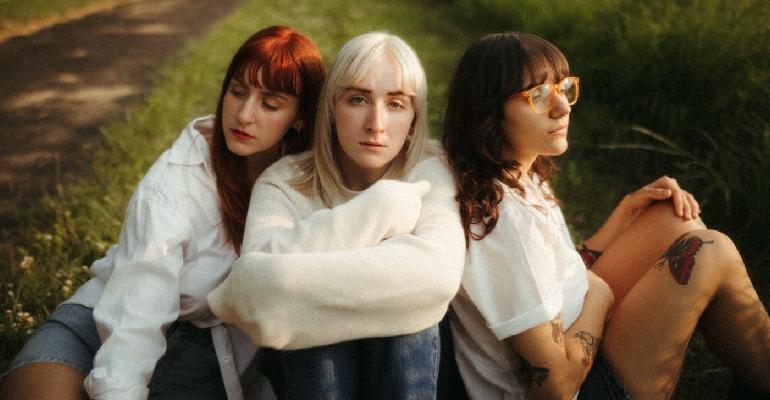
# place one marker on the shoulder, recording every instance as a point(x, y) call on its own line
point(181, 171)
point(285, 169)
point(432, 166)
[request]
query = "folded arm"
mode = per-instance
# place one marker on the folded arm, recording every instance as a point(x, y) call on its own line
point(400, 285)
point(386, 209)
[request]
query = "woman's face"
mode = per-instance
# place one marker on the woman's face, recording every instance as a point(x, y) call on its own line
point(531, 134)
point(255, 119)
point(373, 119)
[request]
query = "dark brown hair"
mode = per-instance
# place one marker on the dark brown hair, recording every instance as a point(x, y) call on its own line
point(289, 63)
point(489, 72)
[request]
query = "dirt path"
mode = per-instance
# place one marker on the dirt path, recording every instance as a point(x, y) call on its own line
point(59, 85)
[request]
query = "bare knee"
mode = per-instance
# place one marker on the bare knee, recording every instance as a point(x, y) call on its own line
point(43, 381)
point(703, 259)
point(663, 217)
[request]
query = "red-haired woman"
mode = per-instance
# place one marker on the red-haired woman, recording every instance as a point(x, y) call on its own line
point(530, 321)
point(183, 228)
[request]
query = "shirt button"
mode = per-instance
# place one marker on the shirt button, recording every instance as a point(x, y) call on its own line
point(226, 359)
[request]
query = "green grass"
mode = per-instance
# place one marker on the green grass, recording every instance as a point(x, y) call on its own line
point(693, 71)
point(15, 12)
point(47, 246)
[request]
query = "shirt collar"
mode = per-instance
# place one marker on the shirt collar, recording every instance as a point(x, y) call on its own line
point(190, 148)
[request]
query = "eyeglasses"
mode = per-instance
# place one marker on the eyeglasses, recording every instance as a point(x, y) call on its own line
point(540, 97)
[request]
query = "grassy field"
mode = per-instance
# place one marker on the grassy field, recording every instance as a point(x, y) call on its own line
point(47, 247)
point(14, 13)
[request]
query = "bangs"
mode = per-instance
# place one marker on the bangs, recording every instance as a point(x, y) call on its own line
point(280, 71)
point(545, 62)
point(360, 66)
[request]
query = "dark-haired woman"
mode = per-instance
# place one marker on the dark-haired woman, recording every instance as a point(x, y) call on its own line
point(530, 321)
point(183, 228)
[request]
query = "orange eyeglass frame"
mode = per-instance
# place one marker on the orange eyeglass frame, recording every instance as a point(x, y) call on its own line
point(555, 89)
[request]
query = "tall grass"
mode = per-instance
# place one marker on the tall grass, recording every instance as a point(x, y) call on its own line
point(694, 71)
point(669, 87)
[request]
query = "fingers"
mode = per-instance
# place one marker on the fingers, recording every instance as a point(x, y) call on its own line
point(694, 206)
point(685, 205)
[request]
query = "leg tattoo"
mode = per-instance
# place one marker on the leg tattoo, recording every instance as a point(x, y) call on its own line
point(590, 345)
point(529, 374)
point(681, 257)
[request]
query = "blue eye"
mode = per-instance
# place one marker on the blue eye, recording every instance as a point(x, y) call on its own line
point(357, 99)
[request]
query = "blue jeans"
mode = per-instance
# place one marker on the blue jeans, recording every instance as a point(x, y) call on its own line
point(188, 370)
point(392, 368)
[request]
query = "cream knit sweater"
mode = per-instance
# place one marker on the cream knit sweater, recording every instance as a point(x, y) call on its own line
point(385, 263)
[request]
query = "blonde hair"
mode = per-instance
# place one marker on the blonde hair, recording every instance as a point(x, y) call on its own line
point(321, 173)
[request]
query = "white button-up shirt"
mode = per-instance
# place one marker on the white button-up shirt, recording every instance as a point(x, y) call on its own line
point(522, 274)
point(170, 254)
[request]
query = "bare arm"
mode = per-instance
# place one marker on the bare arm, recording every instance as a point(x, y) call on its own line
point(683, 203)
point(554, 363)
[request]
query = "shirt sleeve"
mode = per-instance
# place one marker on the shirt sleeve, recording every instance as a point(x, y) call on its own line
point(510, 274)
point(140, 300)
point(398, 286)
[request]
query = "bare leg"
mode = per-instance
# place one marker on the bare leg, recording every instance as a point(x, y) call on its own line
point(40, 381)
point(647, 336)
point(737, 328)
point(630, 255)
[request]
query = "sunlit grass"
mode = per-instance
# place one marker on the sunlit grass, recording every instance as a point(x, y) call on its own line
point(48, 246)
point(15, 13)
point(695, 72)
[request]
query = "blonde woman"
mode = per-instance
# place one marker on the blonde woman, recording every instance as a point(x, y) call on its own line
point(359, 239)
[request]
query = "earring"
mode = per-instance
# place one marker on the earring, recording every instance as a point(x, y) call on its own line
point(297, 126)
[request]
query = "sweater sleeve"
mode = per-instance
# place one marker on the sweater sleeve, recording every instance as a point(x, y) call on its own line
point(139, 301)
point(398, 286)
point(273, 225)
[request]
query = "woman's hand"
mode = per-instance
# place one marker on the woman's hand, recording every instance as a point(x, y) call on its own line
point(685, 205)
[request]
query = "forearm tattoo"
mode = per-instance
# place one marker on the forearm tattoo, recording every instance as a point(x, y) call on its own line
point(529, 374)
point(681, 257)
point(590, 344)
point(557, 331)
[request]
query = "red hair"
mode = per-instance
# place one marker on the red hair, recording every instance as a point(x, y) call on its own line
point(290, 63)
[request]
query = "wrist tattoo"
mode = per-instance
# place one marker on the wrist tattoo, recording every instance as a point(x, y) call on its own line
point(529, 374)
point(681, 257)
point(590, 344)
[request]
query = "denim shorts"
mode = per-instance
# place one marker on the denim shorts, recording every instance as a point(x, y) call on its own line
point(188, 370)
point(67, 337)
point(601, 383)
